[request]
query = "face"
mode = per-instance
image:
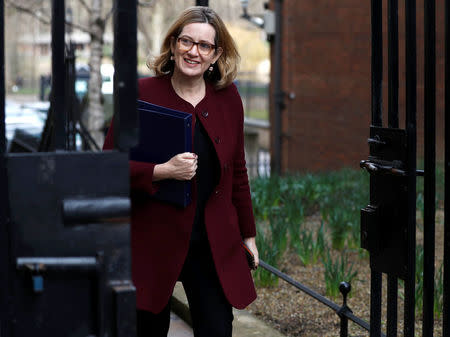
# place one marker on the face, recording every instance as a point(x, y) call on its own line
point(193, 63)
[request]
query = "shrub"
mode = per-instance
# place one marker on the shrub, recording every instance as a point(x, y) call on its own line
point(337, 271)
point(310, 248)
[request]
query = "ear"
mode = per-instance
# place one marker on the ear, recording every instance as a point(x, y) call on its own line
point(218, 53)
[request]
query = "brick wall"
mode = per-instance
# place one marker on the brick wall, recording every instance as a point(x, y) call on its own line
point(327, 80)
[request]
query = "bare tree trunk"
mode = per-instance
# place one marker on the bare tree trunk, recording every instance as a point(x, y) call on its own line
point(95, 115)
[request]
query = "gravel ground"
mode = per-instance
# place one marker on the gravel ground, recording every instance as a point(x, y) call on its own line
point(296, 314)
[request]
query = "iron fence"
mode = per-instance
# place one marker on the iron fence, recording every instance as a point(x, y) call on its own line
point(255, 98)
point(388, 223)
point(259, 165)
point(343, 311)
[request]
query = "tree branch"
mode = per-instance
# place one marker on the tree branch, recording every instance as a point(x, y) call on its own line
point(80, 27)
point(45, 19)
point(85, 6)
point(36, 14)
point(108, 15)
point(146, 4)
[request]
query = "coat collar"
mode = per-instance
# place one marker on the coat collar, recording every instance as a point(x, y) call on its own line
point(208, 113)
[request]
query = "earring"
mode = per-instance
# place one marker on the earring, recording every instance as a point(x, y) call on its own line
point(172, 57)
point(211, 67)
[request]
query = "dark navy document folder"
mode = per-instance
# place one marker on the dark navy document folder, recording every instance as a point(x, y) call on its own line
point(163, 133)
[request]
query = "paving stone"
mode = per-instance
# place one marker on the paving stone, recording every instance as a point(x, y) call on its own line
point(178, 327)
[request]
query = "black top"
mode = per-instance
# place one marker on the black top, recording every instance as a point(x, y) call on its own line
point(207, 177)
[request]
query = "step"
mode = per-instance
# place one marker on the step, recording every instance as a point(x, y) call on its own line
point(244, 325)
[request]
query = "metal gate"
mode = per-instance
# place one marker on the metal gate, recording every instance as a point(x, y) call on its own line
point(64, 245)
point(388, 223)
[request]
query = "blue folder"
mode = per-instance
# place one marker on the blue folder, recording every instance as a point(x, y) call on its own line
point(163, 133)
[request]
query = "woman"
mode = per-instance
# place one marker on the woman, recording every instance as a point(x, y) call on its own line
point(200, 244)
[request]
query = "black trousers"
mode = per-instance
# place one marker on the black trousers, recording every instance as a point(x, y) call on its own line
point(211, 313)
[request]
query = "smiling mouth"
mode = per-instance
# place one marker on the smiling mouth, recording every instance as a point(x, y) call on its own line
point(191, 62)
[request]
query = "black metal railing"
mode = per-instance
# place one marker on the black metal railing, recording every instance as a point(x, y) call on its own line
point(446, 309)
point(396, 150)
point(343, 311)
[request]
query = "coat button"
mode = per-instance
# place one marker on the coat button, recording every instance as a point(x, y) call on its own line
point(217, 140)
point(205, 114)
point(217, 192)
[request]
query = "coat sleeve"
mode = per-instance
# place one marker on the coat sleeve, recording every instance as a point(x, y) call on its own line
point(241, 197)
point(141, 173)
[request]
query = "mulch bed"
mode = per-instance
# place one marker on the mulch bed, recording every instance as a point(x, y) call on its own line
point(296, 314)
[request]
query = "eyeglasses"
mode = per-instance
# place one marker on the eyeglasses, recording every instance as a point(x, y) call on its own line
point(204, 48)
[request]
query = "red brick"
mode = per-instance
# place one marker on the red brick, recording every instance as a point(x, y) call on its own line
point(326, 64)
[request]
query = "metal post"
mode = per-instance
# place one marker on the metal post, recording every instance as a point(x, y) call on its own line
point(392, 316)
point(344, 288)
point(393, 63)
point(377, 62)
point(344, 327)
point(446, 315)
point(375, 304)
point(2, 82)
point(125, 75)
point(58, 74)
point(278, 89)
point(5, 293)
point(430, 167)
point(393, 122)
point(72, 101)
point(411, 97)
point(377, 75)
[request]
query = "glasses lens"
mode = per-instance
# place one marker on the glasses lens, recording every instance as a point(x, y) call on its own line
point(185, 44)
point(204, 48)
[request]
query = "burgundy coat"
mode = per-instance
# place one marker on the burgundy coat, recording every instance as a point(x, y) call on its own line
point(160, 232)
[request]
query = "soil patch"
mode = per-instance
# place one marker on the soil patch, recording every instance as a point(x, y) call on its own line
point(296, 314)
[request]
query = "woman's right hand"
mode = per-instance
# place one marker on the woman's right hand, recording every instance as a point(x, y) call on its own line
point(180, 167)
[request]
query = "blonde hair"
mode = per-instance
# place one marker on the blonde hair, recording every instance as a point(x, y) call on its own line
point(226, 67)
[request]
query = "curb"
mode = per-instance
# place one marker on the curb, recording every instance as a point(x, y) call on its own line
point(244, 325)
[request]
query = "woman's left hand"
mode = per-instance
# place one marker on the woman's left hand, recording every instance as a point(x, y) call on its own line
point(251, 244)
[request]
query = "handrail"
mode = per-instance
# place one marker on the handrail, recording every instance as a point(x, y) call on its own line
point(342, 311)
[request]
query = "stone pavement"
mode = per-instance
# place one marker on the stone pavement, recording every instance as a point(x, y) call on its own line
point(178, 327)
point(244, 324)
